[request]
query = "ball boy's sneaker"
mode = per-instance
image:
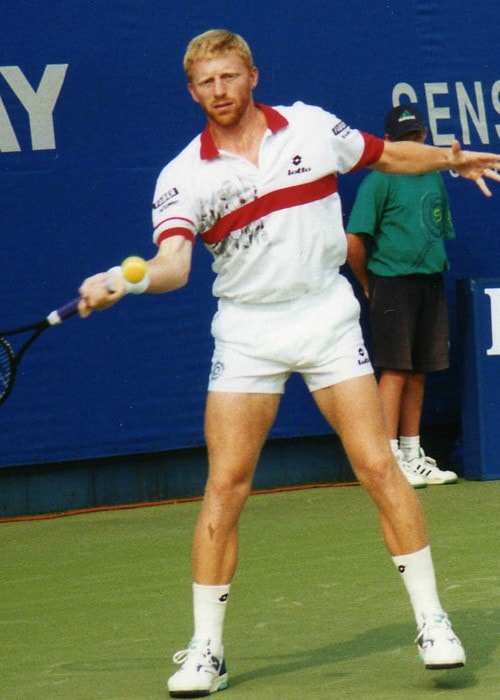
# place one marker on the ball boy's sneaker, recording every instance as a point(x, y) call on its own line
point(438, 645)
point(428, 469)
point(413, 477)
point(202, 671)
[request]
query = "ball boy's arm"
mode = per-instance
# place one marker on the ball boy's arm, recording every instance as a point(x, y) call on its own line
point(356, 258)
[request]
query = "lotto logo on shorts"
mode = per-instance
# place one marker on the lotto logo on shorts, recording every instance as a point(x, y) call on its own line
point(216, 371)
point(363, 358)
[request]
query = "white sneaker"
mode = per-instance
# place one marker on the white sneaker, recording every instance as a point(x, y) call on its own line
point(413, 477)
point(438, 645)
point(428, 470)
point(202, 672)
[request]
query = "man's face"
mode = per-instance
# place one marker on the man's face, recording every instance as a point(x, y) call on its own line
point(223, 88)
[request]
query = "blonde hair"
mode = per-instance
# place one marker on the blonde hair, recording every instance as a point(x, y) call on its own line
point(215, 43)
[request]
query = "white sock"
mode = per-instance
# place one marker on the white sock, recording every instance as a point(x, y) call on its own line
point(394, 446)
point(417, 572)
point(209, 604)
point(410, 446)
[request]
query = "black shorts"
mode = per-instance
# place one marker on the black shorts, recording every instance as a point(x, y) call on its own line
point(409, 323)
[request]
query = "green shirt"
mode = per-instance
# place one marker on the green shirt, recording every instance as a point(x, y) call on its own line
point(407, 218)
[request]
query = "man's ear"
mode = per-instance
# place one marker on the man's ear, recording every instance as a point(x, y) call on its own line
point(192, 92)
point(255, 77)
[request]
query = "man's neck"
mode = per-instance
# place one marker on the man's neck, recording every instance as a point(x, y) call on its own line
point(243, 139)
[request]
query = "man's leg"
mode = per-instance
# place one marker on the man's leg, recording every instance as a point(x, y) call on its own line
point(354, 410)
point(236, 426)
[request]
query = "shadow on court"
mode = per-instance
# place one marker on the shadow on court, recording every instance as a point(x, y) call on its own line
point(480, 628)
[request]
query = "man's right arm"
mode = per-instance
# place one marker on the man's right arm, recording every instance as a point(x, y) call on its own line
point(168, 270)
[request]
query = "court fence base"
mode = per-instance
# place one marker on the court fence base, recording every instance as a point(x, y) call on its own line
point(176, 475)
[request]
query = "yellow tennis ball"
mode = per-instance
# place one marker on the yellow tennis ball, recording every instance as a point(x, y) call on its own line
point(134, 269)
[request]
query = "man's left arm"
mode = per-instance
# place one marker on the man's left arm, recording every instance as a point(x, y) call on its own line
point(410, 158)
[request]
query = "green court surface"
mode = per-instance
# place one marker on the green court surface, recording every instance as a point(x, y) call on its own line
point(93, 605)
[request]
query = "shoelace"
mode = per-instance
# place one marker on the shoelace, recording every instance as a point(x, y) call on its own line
point(426, 465)
point(180, 656)
point(439, 621)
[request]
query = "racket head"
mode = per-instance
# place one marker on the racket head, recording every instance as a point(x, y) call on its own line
point(7, 368)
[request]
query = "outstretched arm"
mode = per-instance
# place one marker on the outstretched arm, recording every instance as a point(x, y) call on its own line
point(410, 158)
point(168, 270)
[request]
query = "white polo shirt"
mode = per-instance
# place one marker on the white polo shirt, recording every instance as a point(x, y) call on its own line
point(275, 231)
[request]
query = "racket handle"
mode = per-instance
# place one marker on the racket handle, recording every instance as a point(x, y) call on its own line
point(64, 312)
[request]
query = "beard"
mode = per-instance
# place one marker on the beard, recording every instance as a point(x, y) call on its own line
point(229, 113)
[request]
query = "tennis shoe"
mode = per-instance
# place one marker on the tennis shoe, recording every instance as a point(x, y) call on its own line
point(202, 671)
point(413, 477)
point(428, 469)
point(438, 645)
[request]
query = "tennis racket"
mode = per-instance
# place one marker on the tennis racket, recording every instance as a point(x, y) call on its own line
point(10, 359)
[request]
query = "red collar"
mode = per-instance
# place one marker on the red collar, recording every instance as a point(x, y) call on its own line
point(275, 122)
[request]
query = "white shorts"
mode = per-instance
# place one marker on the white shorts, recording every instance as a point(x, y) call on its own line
point(258, 346)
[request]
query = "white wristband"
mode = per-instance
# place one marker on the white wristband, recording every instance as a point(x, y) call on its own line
point(130, 287)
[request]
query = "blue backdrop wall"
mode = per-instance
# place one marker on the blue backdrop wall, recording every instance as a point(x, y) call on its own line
point(93, 103)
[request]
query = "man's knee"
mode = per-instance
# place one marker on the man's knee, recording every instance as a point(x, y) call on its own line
point(377, 472)
point(228, 489)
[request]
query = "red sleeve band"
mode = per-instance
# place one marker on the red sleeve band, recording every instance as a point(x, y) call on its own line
point(179, 231)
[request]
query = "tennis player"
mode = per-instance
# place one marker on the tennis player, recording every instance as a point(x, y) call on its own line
point(259, 187)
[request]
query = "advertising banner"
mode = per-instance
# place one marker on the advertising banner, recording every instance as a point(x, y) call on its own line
point(93, 103)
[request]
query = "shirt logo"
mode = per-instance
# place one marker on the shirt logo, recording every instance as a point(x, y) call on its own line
point(339, 128)
point(165, 198)
point(296, 170)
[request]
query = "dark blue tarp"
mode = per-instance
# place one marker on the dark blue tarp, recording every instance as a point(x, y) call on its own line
point(93, 103)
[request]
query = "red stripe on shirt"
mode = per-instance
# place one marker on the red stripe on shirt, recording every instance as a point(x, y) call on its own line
point(267, 204)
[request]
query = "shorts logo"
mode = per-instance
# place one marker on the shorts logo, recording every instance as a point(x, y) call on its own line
point(363, 358)
point(216, 371)
point(165, 198)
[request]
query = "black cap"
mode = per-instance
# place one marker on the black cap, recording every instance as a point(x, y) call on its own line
point(403, 119)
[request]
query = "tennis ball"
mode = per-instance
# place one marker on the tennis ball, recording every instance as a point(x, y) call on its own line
point(134, 269)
